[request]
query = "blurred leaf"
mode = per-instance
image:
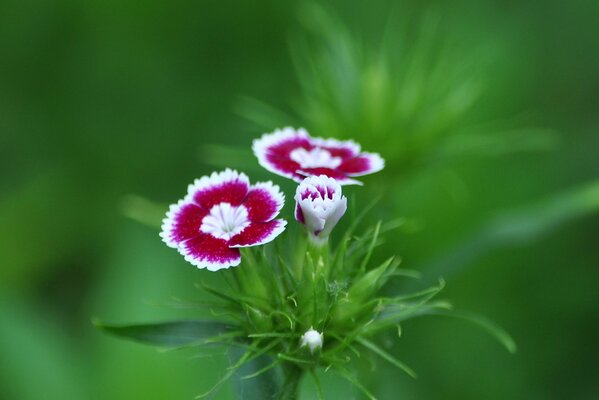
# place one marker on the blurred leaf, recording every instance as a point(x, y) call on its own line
point(495, 330)
point(517, 227)
point(143, 210)
point(265, 116)
point(499, 144)
point(386, 356)
point(167, 334)
point(222, 156)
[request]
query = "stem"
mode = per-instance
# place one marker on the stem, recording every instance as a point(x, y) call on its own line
point(292, 375)
point(319, 250)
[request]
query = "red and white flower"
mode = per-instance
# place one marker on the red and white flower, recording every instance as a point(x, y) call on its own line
point(319, 205)
point(221, 213)
point(296, 155)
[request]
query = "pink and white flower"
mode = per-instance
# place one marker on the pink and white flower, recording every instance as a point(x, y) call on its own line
point(319, 205)
point(296, 155)
point(220, 214)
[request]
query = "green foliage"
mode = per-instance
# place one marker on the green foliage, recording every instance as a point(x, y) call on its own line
point(411, 94)
point(517, 227)
point(100, 99)
point(172, 334)
point(278, 294)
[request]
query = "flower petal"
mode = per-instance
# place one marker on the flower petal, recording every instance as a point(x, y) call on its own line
point(339, 176)
point(258, 233)
point(263, 202)
point(299, 214)
point(313, 217)
point(227, 186)
point(206, 251)
point(338, 148)
point(365, 163)
point(182, 222)
point(273, 150)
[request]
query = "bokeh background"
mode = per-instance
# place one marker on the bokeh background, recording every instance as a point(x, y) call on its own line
point(486, 112)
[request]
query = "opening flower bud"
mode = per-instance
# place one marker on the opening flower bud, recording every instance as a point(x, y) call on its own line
point(319, 205)
point(313, 339)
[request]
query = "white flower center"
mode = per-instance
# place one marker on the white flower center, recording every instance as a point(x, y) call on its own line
point(315, 158)
point(225, 221)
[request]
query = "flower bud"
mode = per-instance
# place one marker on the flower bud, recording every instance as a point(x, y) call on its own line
point(319, 205)
point(313, 339)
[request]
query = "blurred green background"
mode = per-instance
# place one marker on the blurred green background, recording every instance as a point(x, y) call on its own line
point(486, 112)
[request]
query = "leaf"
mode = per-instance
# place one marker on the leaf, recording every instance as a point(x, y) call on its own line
point(386, 356)
point(263, 115)
point(348, 376)
point(495, 330)
point(497, 144)
point(317, 384)
point(167, 334)
point(518, 226)
point(375, 236)
point(222, 156)
point(256, 380)
point(143, 210)
point(370, 282)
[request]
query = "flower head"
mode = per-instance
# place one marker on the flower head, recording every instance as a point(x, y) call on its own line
point(221, 213)
point(319, 205)
point(296, 155)
point(313, 339)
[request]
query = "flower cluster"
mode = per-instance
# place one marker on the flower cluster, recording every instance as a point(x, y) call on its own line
point(223, 212)
point(300, 302)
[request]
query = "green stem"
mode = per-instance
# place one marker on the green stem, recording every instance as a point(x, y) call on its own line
point(292, 375)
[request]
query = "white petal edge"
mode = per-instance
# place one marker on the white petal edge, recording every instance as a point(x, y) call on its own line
point(377, 163)
point(215, 179)
point(169, 221)
point(270, 237)
point(336, 144)
point(312, 181)
point(260, 147)
point(204, 264)
point(341, 181)
point(275, 192)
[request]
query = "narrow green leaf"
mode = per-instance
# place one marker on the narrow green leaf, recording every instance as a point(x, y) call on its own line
point(348, 376)
point(294, 359)
point(425, 292)
point(369, 282)
point(167, 334)
point(230, 372)
point(492, 328)
point(317, 384)
point(274, 335)
point(262, 370)
point(253, 353)
point(375, 236)
point(386, 356)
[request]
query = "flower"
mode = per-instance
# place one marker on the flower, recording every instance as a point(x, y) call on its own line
point(295, 154)
point(221, 213)
point(313, 339)
point(319, 205)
